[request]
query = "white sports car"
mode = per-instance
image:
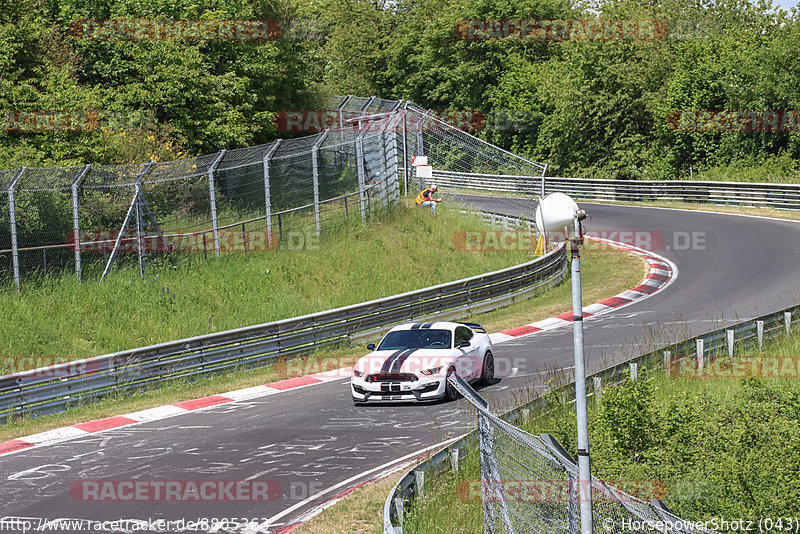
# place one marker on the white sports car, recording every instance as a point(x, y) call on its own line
point(413, 361)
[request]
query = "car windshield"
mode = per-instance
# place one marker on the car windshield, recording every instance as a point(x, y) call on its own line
point(416, 339)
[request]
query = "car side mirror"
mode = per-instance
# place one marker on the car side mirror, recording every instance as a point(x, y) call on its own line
point(463, 344)
point(371, 346)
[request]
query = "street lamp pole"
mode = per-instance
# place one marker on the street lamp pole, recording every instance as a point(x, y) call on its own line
point(584, 468)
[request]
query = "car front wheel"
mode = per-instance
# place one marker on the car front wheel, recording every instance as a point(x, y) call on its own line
point(487, 376)
point(450, 392)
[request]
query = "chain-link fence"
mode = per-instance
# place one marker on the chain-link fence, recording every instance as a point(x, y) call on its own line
point(90, 218)
point(530, 483)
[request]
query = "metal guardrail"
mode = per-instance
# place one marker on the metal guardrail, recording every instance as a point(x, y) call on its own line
point(718, 342)
point(780, 196)
point(54, 389)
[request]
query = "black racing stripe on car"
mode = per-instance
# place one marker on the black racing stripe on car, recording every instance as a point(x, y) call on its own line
point(426, 325)
point(387, 365)
point(399, 359)
point(417, 326)
point(398, 362)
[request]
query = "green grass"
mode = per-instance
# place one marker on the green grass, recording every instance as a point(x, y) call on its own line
point(408, 249)
point(711, 448)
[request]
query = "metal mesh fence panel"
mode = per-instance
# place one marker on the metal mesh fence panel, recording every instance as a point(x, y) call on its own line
point(338, 179)
point(43, 206)
point(6, 274)
point(105, 199)
point(356, 103)
point(524, 485)
point(451, 150)
point(530, 484)
point(238, 199)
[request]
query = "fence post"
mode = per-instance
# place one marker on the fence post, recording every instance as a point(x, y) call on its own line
point(361, 178)
point(315, 176)
point(787, 319)
point(598, 389)
point(730, 333)
point(393, 162)
point(212, 195)
point(544, 173)
point(134, 206)
point(76, 226)
point(405, 149)
point(12, 212)
point(341, 118)
point(383, 179)
point(138, 199)
point(760, 334)
point(700, 356)
point(267, 199)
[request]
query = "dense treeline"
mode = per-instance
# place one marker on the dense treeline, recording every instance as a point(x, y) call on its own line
point(592, 107)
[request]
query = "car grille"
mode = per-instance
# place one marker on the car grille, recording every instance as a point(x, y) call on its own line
point(392, 377)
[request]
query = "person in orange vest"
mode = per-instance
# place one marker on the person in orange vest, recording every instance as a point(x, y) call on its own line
point(425, 198)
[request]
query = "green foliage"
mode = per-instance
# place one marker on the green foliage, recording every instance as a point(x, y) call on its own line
point(628, 418)
point(198, 96)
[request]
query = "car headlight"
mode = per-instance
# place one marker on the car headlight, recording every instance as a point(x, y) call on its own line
point(357, 373)
point(428, 372)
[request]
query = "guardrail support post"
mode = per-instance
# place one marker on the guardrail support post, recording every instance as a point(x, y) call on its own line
point(76, 226)
point(212, 196)
point(12, 213)
point(315, 176)
point(419, 481)
point(267, 199)
point(700, 355)
point(454, 460)
point(598, 389)
point(787, 319)
point(361, 177)
point(760, 334)
point(634, 370)
point(667, 357)
point(730, 334)
point(398, 506)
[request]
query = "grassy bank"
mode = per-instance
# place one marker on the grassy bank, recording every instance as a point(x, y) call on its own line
point(709, 447)
point(408, 249)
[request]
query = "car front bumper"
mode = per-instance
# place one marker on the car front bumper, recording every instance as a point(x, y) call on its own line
point(429, 388)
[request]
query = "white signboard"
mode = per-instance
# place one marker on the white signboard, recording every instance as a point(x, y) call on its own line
point(419, 160)
point(424, 171)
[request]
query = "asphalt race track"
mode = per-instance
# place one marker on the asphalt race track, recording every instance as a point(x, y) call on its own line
point(311, 440)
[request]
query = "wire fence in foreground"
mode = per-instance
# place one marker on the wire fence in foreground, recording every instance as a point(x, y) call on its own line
point(88, 218)
point(529, 483)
